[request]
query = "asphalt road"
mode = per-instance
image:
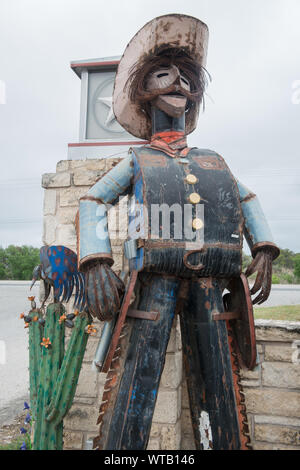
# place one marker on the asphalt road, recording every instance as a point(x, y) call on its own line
point(13, 345)
point(14, 340)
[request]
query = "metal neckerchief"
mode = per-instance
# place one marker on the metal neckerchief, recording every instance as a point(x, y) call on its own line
point(173, 143)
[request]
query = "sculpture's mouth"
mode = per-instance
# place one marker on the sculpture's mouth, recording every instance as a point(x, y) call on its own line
point(176, 93)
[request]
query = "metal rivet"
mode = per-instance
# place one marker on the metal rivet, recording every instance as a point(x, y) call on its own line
point(197, 224)
point(194, 198)
point(191, 179)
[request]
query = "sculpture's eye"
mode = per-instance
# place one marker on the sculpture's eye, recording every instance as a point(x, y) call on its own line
point(184, 80)
point(162, 75)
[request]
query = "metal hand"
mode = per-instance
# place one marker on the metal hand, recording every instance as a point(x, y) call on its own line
point(262, 264)
point(104, 291)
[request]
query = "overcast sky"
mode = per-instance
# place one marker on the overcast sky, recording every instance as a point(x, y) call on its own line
point(251, 118)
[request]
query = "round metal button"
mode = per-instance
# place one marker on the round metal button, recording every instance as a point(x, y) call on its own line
point(197, 224)
point(194, 198)
point(191, 179)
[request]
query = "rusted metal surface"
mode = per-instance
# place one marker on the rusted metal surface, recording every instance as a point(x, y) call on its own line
point(208, 368)
point(239, 300)
point(128, 405)
point(133, 313)
point(262, 264)
point(91, 198)
point(225, 316)
point(148, 101)
point(238, 389)
point(223, 218)
point(187, 264)
point(268, 246)
point(177, 31)
point(120, 322)
point(249, 197)
point(111, 387)
point(104, 290)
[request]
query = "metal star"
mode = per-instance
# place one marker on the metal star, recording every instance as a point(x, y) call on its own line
point(107, 100)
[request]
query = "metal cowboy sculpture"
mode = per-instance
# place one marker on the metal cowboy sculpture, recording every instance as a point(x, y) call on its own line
point(158, 90)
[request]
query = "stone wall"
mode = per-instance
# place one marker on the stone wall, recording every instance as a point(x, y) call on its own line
point(272, 390)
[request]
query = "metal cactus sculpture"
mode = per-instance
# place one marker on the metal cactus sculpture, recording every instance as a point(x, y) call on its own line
point(54, 371)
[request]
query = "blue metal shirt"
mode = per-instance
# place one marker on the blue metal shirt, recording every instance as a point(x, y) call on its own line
point(93, 226)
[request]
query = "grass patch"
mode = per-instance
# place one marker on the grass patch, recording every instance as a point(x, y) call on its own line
point(282, 312)
point(15, 444)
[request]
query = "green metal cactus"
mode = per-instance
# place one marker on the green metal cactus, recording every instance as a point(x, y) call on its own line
point(54, 372)
point(35, 339)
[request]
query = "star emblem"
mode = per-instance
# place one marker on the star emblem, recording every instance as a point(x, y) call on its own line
point(107, 101)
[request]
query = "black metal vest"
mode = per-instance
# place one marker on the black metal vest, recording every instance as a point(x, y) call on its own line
point(160, 182)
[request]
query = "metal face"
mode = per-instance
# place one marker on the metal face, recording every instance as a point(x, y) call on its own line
point(173, 103)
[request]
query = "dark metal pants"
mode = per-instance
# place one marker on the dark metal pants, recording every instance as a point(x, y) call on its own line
point(135, 402)
point(207, 362)
point(208, 368)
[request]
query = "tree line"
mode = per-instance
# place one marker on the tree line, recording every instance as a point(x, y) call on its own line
point(17, 263)
point(286, 268)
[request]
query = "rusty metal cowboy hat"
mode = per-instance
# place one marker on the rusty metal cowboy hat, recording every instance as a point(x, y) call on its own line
point(165, 32)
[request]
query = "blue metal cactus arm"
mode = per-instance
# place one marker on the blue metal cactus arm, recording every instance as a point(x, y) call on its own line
point(256, 228)
point(92, 229)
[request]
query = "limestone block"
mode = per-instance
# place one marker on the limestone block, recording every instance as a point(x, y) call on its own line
point(71, 196)
point(66, 235)
point(175, 337)
point(86, 177)
point(251, 374)
point(250, 383)
point(186, 422)
point(153, 444)
point(277, 434)
point(118, 262)
point(83, 401)
point(185, 395)
point(155, 430)
point(172, 373)
point(187, 443)
point(172, 341)
point(87, 384)
point(90, 350)
point(166, 410)
point(72, 440)
point(63, 165)
point(56, 180)
point(280, 420)
point(277, 352)
point(270, 446)
point(49, 230)
point(251, 378)
point(50, 202)
point(273, 401)
point(93, 164)
point(111, 162)
point(281, 374)
point(276, 330)
point(82, 418)
point(178, 335)
point(66, 215)
point(170, 437)
point(117, 250)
